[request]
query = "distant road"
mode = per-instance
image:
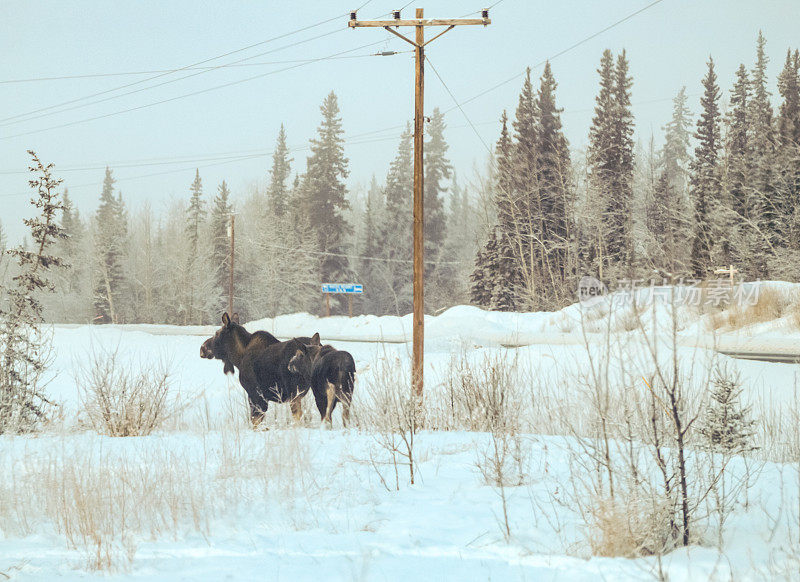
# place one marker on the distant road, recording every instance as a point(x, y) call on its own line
point(777, 350)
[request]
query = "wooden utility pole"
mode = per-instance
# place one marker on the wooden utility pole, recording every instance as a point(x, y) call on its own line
point(230, 280)
point(419, 207)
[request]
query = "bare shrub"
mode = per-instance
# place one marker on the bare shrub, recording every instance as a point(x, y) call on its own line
point(481, 395)
point(396, 414)
point(122, 400)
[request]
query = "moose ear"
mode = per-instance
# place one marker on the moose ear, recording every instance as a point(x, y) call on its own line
point(315, 341)
point(235, 318)
point(226, 320)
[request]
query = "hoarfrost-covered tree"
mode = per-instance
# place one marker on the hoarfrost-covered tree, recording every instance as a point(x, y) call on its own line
point(220, 250)
point(109, 251)
point(704, 181)
point(611, 161)
point(437, 171)
point(278, 192)
point(392, 272)
point(24, 346)
point(668, 216)
point(323, 193)
point(726, 425)
point(788, 136)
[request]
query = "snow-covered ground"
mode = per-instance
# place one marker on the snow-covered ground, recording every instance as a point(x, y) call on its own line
point(206, 498)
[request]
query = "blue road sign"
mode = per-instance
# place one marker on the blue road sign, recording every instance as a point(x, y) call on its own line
point(342, 288)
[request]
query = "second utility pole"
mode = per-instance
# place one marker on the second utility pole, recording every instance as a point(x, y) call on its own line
point(419, 121)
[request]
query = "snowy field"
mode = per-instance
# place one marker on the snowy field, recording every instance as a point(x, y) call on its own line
point(204, 497)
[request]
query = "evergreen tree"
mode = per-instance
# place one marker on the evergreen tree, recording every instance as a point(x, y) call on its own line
point(109, 254)
point(553, 166)
point(726, 426)
point(195, 214)
point(279, 176)
point(789, 156)
point(323, 192)
point(611, 167)
point(495, 279)
point(736, 232)
point(370, 249)
point(437, 171)
point(24, 347)
point(789, 88)
point(3, 246)
point(704, 179)
point(220, 249)
point(763, 160)
point(668, 211)
point(71, 249)
point(452, 271)
point(395, 237)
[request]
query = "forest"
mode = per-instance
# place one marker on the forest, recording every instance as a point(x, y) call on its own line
point(514, 233)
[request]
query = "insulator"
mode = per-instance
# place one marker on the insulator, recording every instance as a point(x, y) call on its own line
point(352, 16)
point(485, 13)
point(397, 15)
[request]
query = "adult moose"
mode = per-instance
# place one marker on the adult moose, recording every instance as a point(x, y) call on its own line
point(263, 364)
point(332, 377)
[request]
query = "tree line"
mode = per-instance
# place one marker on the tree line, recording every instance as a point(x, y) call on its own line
point(517, 235)
point(622, 212)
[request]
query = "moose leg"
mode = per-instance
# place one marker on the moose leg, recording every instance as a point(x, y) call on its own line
point(345, 409)
point(257, 413)
point(320, 397)
point(296, 405)
point(330, 393)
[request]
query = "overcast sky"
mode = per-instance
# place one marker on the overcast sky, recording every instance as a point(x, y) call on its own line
point(155, 148)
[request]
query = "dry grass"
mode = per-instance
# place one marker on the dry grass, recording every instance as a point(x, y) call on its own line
point(106, 500)
point(771, 304)
point(629, 528)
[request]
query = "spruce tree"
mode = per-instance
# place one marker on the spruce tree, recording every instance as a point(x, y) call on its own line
point(668, 215)
point(24, 347)
point(763, 159)
point(394, 239)
point(620, 206)
point(370, 249)
point(278, 192)
point(789, 151)
point(736, 232)
point(704, 181)
point(611, 168)
point(71, 247)
point(437, 171)
point(3, 246)
point(726, 426)
point(195, 214)
point(109, 254)
point(220, 249)
point(323, 192)
point(554, 174)
point(195, 217)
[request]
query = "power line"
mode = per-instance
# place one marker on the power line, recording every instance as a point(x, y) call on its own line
point(469, 121)
point(558, 54)
point(195, 64)
point(131, 73)
point(362, 257)
point(191, 94)
point(30, 117)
